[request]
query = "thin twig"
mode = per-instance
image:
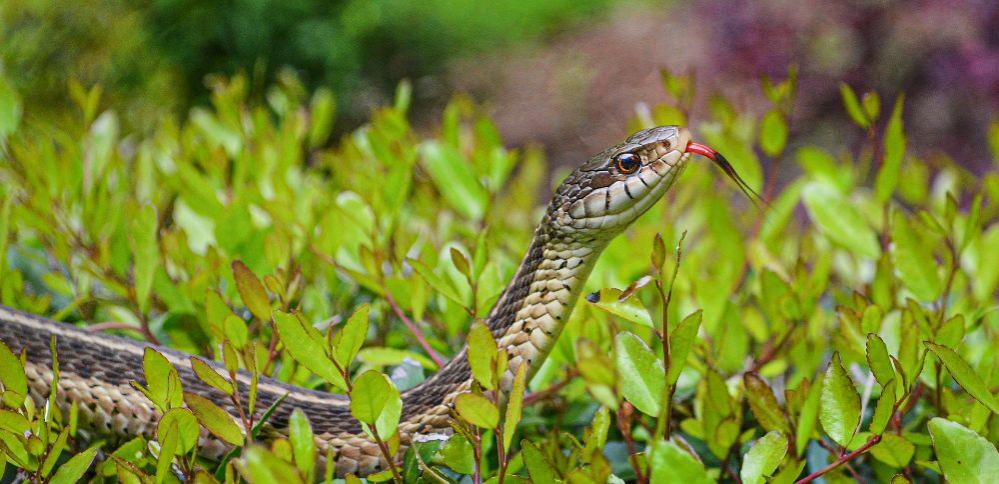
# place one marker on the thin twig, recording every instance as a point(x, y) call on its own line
point(539, 395)
point(842, 460)
point(414, 330)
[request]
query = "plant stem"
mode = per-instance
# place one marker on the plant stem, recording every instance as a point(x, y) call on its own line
point(842, 460)
point(414, 330)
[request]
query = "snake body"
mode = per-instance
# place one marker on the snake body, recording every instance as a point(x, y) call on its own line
point(595, 203)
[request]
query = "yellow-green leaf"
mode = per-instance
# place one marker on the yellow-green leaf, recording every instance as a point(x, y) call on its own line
point(964, 456)
point(482, 355)
point(965, 375)
point(251, 290)
point(477, 410)
point(642, 376)
point(214, 419)
point(306, 346)
point(763, 458)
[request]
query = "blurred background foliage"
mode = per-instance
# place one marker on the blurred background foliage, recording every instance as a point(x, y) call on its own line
point(547, 71)
point(147, 146)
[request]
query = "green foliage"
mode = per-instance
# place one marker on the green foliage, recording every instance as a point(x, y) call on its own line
point(853, 316)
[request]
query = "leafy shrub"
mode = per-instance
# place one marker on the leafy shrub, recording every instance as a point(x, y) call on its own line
point(845, 329)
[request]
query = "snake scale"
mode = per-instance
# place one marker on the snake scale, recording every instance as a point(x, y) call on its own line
point(596, 202)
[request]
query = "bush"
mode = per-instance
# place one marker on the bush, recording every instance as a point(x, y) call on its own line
point(850, 321)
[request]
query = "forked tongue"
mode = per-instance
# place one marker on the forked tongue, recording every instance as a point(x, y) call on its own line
point(711, 154)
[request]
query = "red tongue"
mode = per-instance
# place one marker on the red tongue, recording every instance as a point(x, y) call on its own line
point(702, 150)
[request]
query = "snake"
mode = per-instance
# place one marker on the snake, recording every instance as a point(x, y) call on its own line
point(597, 201)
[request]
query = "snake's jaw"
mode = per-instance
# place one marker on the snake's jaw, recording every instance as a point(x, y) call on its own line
point(602, 197)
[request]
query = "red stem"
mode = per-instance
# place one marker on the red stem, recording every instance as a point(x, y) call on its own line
point(842, 460)
point(414, 330)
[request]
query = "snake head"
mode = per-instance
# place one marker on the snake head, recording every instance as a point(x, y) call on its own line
point(615, 187)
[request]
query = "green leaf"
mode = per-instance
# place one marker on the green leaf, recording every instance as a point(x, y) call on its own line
point(893, 450)
point(853, 107)
point(211, 377)
point(838, 219)
point(12, 375)
point(73, 470)
point(631, 309)
point(303, 445)
point(13, 422)
point(641, 373)
point(168, 437)
point(681, 342)
point(145, 250)
point(964, 375)
point(215, 420)
point(477, 410)
point(187, 428)
point(878, 360)
point(351, 338)
point(914, 260)
point(514, 406)
point(460, 262)
point(10, 108)
point(894, 151)
point(454, 179)
point(669, 464)
point(437, 282)
point(259, 465)
point(251, 290)
point(306, 346)
point(482, 355)
point(322, 111)
point(964, 456)
point(764, 404)
point(840, 410)
point(458, 454)
point(883, 411)
point(374, 400)
point(773, 133)
point(872, 105)
point(539, 467)
point(763, 458)
point(163, 386)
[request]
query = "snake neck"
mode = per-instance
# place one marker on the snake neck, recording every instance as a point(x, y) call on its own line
point(530, 316)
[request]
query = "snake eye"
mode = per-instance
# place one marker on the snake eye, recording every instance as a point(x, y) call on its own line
point(627, 163)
